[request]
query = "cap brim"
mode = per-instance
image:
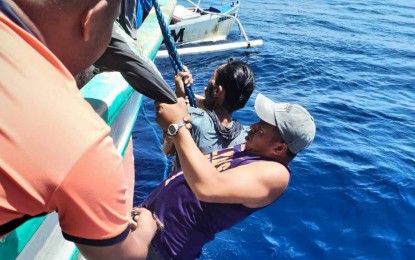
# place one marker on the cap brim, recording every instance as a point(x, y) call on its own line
point(265, 109)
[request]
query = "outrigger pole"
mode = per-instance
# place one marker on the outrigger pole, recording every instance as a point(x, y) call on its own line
point(212, 48)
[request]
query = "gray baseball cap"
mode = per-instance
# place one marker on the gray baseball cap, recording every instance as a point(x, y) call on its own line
point(293, 121)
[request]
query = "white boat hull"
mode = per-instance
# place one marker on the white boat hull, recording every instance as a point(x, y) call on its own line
point(204, 28)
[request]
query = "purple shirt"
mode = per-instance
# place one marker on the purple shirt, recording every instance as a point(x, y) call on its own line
point(188, 222)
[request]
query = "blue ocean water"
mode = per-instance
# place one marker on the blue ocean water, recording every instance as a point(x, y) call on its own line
point(352, 193)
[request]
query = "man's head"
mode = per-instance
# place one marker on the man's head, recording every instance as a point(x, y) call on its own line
point(231, 86)
point(284, 130)
point(76, 31)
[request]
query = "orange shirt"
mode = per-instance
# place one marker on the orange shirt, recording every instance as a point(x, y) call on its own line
point(55, 151)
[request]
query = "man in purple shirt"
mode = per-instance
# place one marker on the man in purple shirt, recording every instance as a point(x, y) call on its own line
point(215, 191)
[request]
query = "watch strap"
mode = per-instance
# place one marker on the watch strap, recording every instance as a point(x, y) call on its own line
point(176, 127)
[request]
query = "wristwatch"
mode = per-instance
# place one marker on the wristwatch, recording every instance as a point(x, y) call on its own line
point(174, 128)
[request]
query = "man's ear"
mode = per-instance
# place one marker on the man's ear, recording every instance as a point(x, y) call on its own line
point(219, 90)
point(90, 18)
point(219, 94)
point(87, 24)
point(280, 148)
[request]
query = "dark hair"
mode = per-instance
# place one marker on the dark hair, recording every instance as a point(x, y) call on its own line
point(238, 80)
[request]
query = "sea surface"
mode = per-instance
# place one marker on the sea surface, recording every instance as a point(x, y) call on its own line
point(352, 192)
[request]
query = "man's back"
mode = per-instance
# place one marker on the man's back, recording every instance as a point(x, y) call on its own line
point(50, 140)
point(55, 151)
point(206, 135)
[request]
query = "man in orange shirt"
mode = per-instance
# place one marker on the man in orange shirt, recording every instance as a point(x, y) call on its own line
point(55, 151)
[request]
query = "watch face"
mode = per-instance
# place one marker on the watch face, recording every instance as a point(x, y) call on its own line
point(171, 130)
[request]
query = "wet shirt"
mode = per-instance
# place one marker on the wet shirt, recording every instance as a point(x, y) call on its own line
point(205, 135)
point(55, 151)
point(188, 222)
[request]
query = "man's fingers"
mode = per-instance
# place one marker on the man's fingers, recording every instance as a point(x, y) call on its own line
point(187, 119)
point(133, 225)
point(159, 107)
point(134, 218)
point(156, 104)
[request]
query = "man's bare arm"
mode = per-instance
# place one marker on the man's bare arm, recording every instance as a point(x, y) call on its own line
point(135, 246)
point(255, 185)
